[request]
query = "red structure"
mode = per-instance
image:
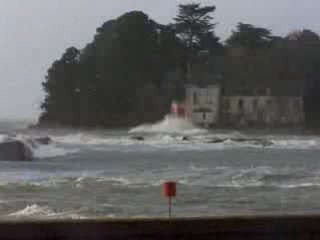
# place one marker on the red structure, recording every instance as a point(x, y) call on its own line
point(178, 109)
point(169, 190)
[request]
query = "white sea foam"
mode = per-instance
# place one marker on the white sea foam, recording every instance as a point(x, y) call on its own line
point(169, 133)
point(286, 178)
point(32, 210)
point(49, 151)
point(123, 181)
point(228, 178)
point(3, 137)
point(78, 138)
point(198, 169)
point(170, 124)
point(193, 175)
point(37, 211)
point(296, 143)
point(300, 185)
point(117, 180)
point(90, 139)
point(42, 150)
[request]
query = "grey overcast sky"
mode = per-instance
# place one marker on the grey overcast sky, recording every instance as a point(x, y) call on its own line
point(34, 33)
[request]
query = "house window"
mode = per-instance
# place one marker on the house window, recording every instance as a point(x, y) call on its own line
point(226, 104)
point(209, 97)
point(195, 98)
point(241, 104)
point(255, 104)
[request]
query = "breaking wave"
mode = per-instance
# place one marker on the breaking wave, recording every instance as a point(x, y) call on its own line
point(186, 140)
point(228, 177)
point(40, 151)
point(90, 139)
point(37, 211)
point(170, 124)
point(296, 143)
point(3, 137)
point(196, 176)
point(50, 151)
point(178, 134)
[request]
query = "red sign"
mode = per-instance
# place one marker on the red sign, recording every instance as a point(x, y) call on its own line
point(169, 189)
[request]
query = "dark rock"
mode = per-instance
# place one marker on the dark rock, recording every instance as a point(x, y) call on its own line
point(240, 140)
point(32, 143)
point(265, 143)
point(15, 150)
point(217, 140)
point(138, 138)
point(254, 141)
point(43, 140)
point(36, 142)
point(185, 138)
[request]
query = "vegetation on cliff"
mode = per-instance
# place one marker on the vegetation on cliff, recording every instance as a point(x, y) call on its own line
point(135, 67)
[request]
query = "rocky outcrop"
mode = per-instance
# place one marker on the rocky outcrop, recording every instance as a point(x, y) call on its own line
point(138, 138)
point(217, 140)
point(36, 142)
point(21, 149)
point(15, 150)
point(254, 141)
point(185, 138)
point(43, 140)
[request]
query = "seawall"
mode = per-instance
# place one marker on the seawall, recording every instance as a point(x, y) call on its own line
point(227, 228)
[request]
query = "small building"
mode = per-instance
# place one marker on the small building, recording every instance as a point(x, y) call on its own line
point(240, 102)
point(259, 111)
point(207, 106)
point(202, 104)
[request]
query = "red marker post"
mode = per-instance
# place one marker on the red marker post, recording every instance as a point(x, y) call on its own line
point(169, 190)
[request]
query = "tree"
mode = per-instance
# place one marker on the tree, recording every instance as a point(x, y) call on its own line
point(131, 60)
point(60, 87)
point(250, 37)
point(194, 27)
point(193, 23)
point(106, 82)
point(304, 35)
point(211, 43)
point(135, 67)
point(304, 46)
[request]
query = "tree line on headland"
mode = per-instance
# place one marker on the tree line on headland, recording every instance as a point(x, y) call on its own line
point(135, 67)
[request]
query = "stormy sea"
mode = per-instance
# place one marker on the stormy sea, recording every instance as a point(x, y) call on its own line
point(118, 173)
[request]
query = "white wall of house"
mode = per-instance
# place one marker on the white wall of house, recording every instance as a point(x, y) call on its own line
point(207, 106)
point(203, 117)
point(266, 110)
point(203, 104)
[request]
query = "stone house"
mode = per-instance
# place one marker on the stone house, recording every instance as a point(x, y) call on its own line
point(262, 111)
point(214, 100)
point(202, 104)
point(207, 106)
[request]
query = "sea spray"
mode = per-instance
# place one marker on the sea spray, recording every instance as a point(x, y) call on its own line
point(170, 124)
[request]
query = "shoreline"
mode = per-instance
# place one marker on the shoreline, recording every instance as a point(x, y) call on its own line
point(304, 131)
